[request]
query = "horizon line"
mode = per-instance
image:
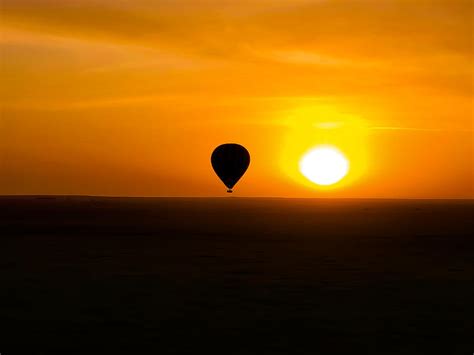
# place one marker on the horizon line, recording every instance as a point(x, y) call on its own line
point(51, 196)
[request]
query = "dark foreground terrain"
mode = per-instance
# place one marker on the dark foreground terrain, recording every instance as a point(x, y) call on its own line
point(82, 275)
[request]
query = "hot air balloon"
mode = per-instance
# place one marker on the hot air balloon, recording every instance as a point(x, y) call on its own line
point(230, 162)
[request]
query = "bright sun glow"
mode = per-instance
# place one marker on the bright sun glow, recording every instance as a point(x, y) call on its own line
point(324, 165)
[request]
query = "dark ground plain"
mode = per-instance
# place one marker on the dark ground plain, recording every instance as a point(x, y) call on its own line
point(84, 275)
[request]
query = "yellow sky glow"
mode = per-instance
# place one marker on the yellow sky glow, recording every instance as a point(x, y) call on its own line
point(108, 97)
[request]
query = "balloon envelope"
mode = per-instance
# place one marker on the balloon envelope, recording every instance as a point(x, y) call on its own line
point(230, 161)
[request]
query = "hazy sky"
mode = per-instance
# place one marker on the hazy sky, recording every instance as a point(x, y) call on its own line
point(110, 97)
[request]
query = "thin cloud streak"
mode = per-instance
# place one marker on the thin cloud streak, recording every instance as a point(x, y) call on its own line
point(420, 129)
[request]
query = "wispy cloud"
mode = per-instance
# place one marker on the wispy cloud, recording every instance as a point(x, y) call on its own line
point(419, 129)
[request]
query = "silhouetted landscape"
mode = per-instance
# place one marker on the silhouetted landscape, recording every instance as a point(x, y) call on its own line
point(93, 275)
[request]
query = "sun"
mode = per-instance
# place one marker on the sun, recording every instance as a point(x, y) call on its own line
point(324, 165)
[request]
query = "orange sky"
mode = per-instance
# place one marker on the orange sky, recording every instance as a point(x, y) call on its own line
point(129, 97)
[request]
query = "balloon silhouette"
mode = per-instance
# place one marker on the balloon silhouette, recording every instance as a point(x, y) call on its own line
point(230, 162)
